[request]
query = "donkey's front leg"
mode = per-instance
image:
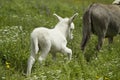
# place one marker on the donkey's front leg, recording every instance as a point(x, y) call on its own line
point(67, 51)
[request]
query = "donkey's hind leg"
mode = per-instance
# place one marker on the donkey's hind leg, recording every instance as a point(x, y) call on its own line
point(31, 61)
point(44, 51)
point(34, 51)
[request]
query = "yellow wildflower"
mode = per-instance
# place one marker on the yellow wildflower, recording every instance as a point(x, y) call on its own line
point(97, 77)
point(7, 65)
point(106, 78)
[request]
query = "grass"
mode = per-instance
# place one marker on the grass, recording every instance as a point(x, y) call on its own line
point(19, 17)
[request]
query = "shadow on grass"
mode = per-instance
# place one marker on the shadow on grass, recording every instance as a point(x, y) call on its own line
point(90, 55)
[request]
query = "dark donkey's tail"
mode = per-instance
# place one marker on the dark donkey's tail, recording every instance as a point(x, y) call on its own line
point(86, 30)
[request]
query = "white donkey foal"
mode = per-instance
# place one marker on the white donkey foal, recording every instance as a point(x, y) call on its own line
point(54, 40)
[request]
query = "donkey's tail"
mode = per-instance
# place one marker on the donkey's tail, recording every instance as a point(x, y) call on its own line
point(34, 46)
point(86, 30)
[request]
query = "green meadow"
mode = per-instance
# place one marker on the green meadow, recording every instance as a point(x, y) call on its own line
point(17, 20)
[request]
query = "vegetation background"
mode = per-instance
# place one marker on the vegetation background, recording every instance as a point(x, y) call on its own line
point(19, 17)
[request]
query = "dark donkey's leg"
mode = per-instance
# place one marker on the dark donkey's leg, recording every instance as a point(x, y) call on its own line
point(110, 39)
point(100, 42)
point(84, 41)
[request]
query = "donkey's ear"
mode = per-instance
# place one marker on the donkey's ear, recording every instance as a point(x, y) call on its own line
point(59, 18)
point(73, 17)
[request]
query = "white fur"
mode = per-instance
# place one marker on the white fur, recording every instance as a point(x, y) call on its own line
point(116, 2)
point(51, 40)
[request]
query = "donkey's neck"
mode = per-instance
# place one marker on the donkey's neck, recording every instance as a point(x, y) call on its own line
point(63, 28)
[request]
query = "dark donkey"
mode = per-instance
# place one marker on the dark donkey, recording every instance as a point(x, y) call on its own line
point(101, 20)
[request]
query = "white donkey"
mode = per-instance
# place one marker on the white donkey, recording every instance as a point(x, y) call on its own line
point(51, 40)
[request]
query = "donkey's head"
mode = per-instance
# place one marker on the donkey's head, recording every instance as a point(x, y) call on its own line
point(117, 2)
point(66, 25)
